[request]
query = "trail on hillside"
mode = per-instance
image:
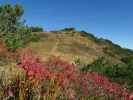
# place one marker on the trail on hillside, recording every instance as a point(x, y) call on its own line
point(55, 47)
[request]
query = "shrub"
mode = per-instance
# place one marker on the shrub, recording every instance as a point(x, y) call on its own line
point(122, 74)
point(13, 41)
point(21, 38)
point(59, 80)
point(96, 66)
point(63, 81)
point(68, 29)
point(36, 29)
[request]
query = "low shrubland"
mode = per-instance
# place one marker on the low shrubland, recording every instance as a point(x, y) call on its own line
point(58, 80)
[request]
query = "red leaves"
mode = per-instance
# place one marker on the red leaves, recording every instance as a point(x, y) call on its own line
point(108, 86)
point(34, 69)
point(70, 78)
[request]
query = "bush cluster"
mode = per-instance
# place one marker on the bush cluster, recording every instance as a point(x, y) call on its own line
point(36, 29)
point(59, 80)
point(121, 73)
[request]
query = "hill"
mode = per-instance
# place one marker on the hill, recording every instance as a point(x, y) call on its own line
point(78, 47)
point(59, 65)
point(70, 44)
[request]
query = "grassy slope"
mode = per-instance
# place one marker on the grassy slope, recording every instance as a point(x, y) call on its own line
point(70, 44)
point(64, 45)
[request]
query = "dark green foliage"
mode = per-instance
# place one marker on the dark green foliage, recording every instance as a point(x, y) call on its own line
point(15, 33)
point(96, 66)
point(10, 25)
point(86, 34)
point(68, 29)
point(10, 18)
point(106, 41)
point(19, 39)
point(128, 59)
point(36, 29)
point(122, 74)
point(13, 41)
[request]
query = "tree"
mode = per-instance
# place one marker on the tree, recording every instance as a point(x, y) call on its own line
point(10, 18)
point(15, 33)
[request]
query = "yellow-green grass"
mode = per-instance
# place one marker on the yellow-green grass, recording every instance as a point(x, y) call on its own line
point(65, 46)
point(68, 45)
point(9, 72)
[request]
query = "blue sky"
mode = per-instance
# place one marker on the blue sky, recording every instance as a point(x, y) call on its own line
point(111, 19)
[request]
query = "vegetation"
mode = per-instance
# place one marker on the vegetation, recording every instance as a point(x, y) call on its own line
point(68, 29)
point(15, 33)
point(36, 29)
point(89, 35)
point(122, 74)
point(19, 39)
point(10, 18)
point(57, 79)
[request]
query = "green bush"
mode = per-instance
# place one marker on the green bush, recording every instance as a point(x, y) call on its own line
point(25, 34)
point(36, 29)
point(69, 29)
point(17, 40)
point(96, 66)
point(13, 41)
point(122, 74)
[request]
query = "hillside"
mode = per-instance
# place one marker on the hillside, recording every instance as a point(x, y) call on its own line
point(70, 44)
point(59, 65)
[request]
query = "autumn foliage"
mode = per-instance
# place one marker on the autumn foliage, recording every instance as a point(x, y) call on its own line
point(60, 79)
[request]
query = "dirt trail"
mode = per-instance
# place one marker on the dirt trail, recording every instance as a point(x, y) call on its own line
point(55, 47)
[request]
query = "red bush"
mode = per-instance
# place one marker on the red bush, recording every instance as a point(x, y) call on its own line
point(72, 82)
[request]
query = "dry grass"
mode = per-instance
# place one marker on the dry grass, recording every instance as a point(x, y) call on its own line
point(64, 45)
point(9, 72)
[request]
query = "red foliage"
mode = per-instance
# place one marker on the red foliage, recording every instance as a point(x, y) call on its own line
point(69, 78)
point(32, 66)
point(107, 85)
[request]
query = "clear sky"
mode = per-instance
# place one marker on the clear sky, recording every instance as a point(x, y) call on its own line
point(111, 19)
